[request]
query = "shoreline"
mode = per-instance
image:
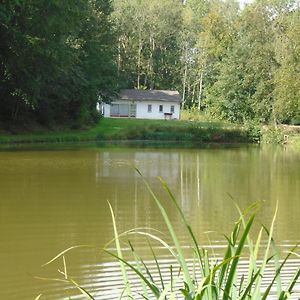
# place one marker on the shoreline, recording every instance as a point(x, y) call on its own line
point(120, 131)
point(108, 130)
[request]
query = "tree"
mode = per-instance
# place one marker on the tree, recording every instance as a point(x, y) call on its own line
point(287, 76)
point(149, 44)
point(56, 57)
point(211, 33)
point(244, 85)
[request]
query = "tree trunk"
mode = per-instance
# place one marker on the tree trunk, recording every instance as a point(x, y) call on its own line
point(200, 90)
point(184, 80)
point(119, 55)
point(139, 59)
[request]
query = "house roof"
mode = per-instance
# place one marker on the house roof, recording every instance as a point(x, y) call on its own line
point(155, 95)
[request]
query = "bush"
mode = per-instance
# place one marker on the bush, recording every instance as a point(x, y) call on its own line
point(295, 120)
point(273, 135)
point(253, 130)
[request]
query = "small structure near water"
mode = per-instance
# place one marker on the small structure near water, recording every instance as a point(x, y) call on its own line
point(144, 104)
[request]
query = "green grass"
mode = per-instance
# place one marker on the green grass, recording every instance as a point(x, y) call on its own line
point(110, 129)
point(210, 278)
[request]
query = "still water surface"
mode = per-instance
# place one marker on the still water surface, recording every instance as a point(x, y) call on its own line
point(54, 199)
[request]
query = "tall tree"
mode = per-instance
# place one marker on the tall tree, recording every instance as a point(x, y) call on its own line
point(287, 76)
point(56, 56)
point(149, 42)
point(210, 26)
point(244, 85)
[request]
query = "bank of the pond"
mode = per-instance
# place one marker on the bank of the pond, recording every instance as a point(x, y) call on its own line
point(281, 134)
point(135, 129)
point(295, 141)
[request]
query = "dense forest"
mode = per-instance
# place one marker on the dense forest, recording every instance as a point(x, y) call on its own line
point(59, 58)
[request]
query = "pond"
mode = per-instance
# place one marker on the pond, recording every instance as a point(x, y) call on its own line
point(52, 199)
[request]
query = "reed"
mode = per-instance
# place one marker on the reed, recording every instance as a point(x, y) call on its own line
point(217, 279)
point(209, 278)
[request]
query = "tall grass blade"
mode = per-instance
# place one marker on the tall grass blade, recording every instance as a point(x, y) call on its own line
point(284, 295)
point(152, 287)
point(252, 261)
point(228, 254)
point(133, 231)
point(249, 286)
point(257, 291)
point(206, 281)
point(82, 290)
point(278, 267)
point(64, 252)
point(168, 288)
point(147, 234)
point(52, 279)
point(138, 260)
point(277, 274)
point(157, 265)
point(196, 244)
point(119, 251)
point(230, 278)
point(168, 223)
point(69, 280)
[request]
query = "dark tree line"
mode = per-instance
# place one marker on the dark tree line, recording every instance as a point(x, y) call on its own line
point(59, 57)
point(56, 59)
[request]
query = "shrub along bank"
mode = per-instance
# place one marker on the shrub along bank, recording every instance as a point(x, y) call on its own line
point(135, 129)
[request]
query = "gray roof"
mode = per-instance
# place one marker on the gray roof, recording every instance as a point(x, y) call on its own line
point(155, 95)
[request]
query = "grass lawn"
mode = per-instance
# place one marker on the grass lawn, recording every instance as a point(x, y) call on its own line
point(109, 129)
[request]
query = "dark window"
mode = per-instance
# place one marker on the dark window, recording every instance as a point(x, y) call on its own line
point(172, 109)
point(149, 108)
point(119, 110)
point(161, 108)
point(132, 110)
point(114, 109)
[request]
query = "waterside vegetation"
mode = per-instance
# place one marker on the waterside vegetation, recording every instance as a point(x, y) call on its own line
point(193, 127)
point(55, 71)
point(134, 129)
point(207, 277)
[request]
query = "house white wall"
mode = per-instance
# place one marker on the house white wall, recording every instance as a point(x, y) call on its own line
point(105, 110)
point(142, 109)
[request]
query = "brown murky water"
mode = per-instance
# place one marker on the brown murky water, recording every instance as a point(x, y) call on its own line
point(54, 199)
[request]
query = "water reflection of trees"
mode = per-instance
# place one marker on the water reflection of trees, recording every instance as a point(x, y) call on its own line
point(204, 182)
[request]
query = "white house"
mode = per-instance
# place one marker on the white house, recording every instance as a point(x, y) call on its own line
point(144, 104)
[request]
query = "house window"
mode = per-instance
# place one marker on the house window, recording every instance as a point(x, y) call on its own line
point(119, 110)
point(149, 108)
point(172, 109)
point(161, 108)
point(114, 109)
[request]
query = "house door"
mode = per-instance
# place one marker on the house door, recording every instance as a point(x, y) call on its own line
point(132, 110)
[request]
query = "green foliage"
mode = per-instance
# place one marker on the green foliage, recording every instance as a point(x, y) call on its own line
point(244, 63)
point(243, 89)
point(273, 135)
point(134, 129)
point(254, 131)
point(295, 120)
point(56, 58)
point(287, 78)
point(148, 43)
